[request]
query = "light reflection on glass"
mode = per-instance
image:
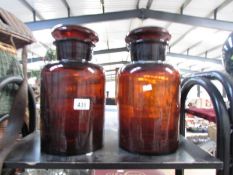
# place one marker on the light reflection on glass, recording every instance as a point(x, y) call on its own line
point(135, 69)
point(230, 42)
point(55, 67)
point(225, 47)
point(91, 70)
point(89, 154)
point(152, 79)
point(168, 70)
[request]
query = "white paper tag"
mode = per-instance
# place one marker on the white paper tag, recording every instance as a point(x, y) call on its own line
point(147, 87)
point(81, 104)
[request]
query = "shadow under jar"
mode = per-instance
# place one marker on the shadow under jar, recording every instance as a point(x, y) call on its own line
point(148, 95)
point(72, 95)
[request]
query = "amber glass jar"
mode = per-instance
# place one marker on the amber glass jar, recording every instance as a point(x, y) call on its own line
point(72, 95)
point(148, 95)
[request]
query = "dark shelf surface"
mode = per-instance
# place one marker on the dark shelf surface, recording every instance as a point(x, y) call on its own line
point(188, 156)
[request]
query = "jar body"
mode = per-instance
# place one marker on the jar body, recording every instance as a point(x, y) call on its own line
point(72, 108)
point(148, 101)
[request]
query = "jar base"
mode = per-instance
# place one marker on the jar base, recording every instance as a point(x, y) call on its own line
point(148, 152)
point(71, 152)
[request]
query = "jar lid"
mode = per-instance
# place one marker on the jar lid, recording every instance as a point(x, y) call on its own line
point(75, 32)
point(149, 33)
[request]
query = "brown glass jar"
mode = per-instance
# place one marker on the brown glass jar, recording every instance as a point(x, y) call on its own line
point(148, 95)
point(72, 95)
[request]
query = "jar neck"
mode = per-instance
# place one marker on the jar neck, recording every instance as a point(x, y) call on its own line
point(73, 50)
point(148, 51)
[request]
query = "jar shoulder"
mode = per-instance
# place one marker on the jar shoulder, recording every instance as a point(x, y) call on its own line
point(73, 65)
point(143, 67)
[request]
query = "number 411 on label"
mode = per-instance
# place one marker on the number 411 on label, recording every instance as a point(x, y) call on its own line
point(81, 104)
